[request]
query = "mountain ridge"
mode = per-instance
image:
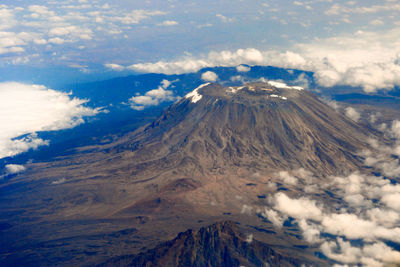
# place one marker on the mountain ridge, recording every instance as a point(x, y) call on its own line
point(220, 244)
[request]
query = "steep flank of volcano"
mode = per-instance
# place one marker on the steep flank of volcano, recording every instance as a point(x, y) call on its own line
point(256, 126)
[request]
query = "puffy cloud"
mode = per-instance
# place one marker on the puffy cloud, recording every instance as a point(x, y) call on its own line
point(237, 78)
point(377, 254)
point(352, 113)
point(14, 168)
point(286, 178)
point(168, 23)
point(11, 42)
point(385, 157)
point(26, 109)
point(153, 97)
point(209, 76)
point(135, 16)
point(369, 214)
point(276, 218)
point(301, 208)
point(311, 232)
point(113, 66)
point(72, 32)
point(248, 56)
point(246, 209)
point(242, 68)
point(56, 40)
point(392, 200)
point(352, 227)
point(7, 18)
point(42, 10)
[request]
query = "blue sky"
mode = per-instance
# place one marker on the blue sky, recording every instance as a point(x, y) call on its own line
point(94, 36)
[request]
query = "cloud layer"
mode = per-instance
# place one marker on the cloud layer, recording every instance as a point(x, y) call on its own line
point(26, 109)
point(366, 59)
point(367, 211)
point(358, 220)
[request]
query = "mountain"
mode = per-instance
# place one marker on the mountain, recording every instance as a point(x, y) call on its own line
point(218, 245)
point(257, 126)
point(206, 158)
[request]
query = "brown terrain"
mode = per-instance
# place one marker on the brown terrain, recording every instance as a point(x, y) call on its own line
point(202, 161)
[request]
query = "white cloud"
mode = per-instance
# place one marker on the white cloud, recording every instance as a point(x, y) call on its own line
point(224, 19)
point(153, 97)
point(276, 218)
point(209, 76)
point(11, 42)
point(72, 32)
point(113, 66)
point(59, 181)
point(40, 10)
point(353, 114)
point(392, 201)
point(65, 24)
point(365, 59)
point(352, 227)
point(7, 18)
point(14, 168)
point(242, 68)
point(135, 16)
point(26, 109)
point(301, 208)
point(56, 40)
point(286, 178)
point(237, 78)
point(338, 9)
point(376, 22)
point(168, 23)
point(382, 157)
point(370, 214)
point(248, 56)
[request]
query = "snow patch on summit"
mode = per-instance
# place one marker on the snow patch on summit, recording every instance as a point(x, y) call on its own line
point(194, 95)
point(234, 90)
point(278, 96)
point(282, 85)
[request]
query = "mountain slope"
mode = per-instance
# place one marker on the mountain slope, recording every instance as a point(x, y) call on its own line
point(256, 126)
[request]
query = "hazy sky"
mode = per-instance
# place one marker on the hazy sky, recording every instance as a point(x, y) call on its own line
point(90, 35)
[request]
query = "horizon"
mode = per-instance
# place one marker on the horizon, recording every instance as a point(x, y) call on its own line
point(343, 42)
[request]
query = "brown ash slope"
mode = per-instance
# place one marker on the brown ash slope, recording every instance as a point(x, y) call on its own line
point(255, 127)
point(218, 245)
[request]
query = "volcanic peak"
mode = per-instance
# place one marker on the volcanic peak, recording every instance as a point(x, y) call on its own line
point(260, 91)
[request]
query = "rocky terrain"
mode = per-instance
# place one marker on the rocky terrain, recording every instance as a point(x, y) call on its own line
point(218, 245)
